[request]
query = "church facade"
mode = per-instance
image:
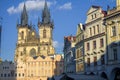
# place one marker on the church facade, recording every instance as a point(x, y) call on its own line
point(29, 42)
point(35, 57)
point(36, 51)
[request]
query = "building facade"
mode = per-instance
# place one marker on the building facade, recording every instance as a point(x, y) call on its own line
point(94, 41)
point(43, 67)
point(69, 54)
point(35, 57)
point(112, 23)
point(80, 68)
point(7, 70)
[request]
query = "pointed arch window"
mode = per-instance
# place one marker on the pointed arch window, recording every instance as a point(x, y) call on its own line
point(44, 33)
point(22, 35)
point(32, 52)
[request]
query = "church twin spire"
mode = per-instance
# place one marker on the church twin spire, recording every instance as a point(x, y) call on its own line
point(24, 16)
point(45, 15)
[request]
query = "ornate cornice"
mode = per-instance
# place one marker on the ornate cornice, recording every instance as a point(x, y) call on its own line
point(95, 36)
point(27, 44)
point(91, 22)
point(112, 15)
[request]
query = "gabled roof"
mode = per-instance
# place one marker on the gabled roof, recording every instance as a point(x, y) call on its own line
point(93, 8)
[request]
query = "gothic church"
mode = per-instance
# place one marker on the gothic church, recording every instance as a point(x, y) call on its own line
point(29, 42)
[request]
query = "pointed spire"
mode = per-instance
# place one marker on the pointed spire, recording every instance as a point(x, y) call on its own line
point(24, 16)
point(45, 14)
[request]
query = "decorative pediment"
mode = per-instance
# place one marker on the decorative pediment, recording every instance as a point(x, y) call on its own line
point(92, 9)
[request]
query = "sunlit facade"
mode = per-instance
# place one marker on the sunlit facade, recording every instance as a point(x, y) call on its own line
point(79, 58)
point(94, 41)
point(35, 56)
point(112, 23)
point(42, 68)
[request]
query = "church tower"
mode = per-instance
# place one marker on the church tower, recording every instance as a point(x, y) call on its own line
point(28, 40)
point(118, 4)
point(45, 32)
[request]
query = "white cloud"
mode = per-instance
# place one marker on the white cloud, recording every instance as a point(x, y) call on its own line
point(56, 44)
point(66, 6)
point(30, 5)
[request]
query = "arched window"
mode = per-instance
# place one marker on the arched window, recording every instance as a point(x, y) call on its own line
point(32, 52)
point(44, 33)
point(22, 35)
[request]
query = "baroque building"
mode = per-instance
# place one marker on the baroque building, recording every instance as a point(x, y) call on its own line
point(69, 54)
point(112, 23)
point(79, 56)
point(43, 68)
point(94, 41)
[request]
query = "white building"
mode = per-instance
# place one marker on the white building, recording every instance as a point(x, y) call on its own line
point(94, 41)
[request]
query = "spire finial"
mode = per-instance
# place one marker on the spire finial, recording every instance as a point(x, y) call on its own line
point(45, 14)
point(24, 16)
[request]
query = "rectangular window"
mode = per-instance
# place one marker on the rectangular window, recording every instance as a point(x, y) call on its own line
point(95, 61)
point(94, 29)
point(95, 16)
point(91, 16)
point(90, 32)
point(98, 30)
point(1, 75)
point(88, 62)
point(115, 54)
point(88, 46)
point(5, 75)
point(94, 44)
point(113, 31)
point(101, 42)
point(77, 53)
point(102, 60)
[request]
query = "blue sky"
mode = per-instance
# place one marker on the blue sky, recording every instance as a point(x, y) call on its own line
point(65, 13)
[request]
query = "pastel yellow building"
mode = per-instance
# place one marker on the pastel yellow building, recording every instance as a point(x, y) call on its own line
point(112, 22)
point(43, 67)
point(29, 42)
point(35, 56)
